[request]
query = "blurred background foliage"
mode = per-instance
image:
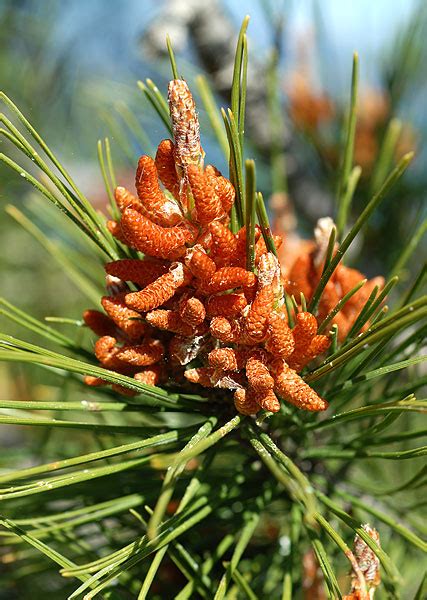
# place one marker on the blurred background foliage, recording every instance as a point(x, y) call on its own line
point(72, 69)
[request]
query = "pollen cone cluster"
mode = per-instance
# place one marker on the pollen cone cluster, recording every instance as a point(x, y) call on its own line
point(193, 312)
point(302, 273)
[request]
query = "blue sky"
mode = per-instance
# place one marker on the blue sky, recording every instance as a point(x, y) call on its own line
point(108, 30)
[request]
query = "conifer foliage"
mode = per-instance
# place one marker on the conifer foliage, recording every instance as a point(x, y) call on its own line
point(234, 426)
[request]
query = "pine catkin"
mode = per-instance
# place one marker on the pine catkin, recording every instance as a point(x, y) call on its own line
point(208, 206)
point(166, 170)
point(227, 359)
point(142, 355)
point(128, 320)
point(223, 242)
point(228, 278)
point(280, 339)
point(226, 305)
point(125, 198)
point(193, 312)
point(256, 322)
point(258, 374)
point(292, 388)
point(245, 402)
point(222, 186)
point(199, 263)
point(152, 239)
point(159, 291)
point(141, 272)
point(99, 323)
point(169, 320)
point(158, 207)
